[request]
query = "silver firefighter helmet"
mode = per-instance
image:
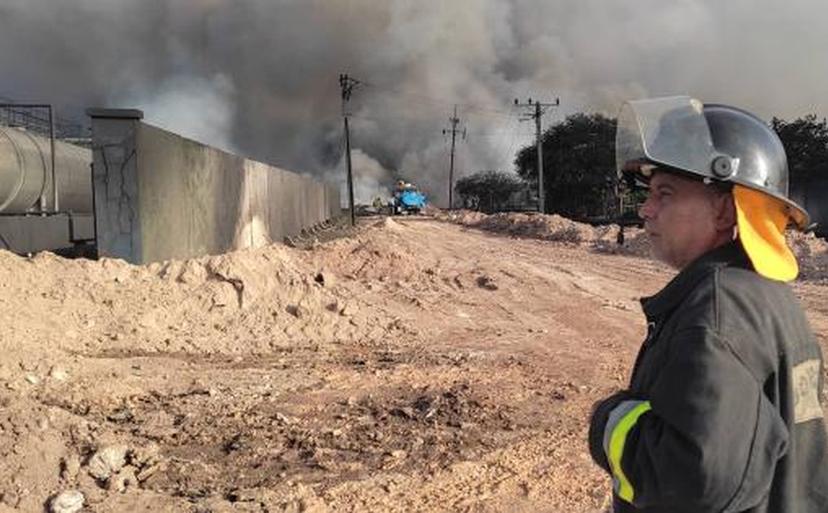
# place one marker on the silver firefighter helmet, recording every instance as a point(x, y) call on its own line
point(712, 142)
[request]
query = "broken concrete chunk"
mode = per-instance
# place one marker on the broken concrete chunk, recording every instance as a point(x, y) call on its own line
point(69, 467)
point(145, 456)
point(107, 461)
point(123, 479)
point(58, 374)
point(69, 501)
point(147, 472)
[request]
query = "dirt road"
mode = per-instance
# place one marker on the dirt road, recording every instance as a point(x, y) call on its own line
point(417, 366)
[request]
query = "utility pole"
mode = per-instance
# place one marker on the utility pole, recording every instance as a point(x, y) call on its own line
point(347, 85)
point(537, 113)
point(454, 120)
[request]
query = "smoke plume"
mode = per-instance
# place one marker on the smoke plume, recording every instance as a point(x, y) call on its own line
point(259, 77)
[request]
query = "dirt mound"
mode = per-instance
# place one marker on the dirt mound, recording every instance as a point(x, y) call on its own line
point(463, 217)
point(812, 254)
point(604, 238)
point(531, 225)
point(547, 227)
point(380, 252)
point(241, 303)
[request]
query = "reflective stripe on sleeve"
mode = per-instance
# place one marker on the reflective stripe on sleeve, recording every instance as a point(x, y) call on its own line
point(621, 420)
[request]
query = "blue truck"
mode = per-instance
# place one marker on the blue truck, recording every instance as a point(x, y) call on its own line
point(407, 200)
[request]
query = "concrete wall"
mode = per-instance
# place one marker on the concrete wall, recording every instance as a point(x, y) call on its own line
point(813, 195)
point(161, 196)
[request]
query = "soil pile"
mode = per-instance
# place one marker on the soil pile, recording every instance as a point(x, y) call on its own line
point(240, 303)
point(811, 253)
point(554, 228)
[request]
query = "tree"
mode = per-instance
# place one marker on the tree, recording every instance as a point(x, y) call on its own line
point(579, 166)
point(806, 145)
point(488, 190)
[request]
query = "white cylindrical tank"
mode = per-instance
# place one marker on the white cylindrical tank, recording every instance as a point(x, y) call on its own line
point(26, 173)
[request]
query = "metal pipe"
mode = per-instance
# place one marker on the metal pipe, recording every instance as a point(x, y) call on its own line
point(52, 144)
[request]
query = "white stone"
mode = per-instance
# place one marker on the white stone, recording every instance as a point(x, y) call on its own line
point(107, 461)
point(69, 501)
point(58, 374)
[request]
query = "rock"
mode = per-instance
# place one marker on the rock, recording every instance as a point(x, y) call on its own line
point(147, 472)
point(69, 467)
point(145, 456)
point(123, 479)
point(486, 282)
point(324, 279)
point(91, 489)
point(193, 272)
point(283, 419)
point(244, 495)
point(122, 414)
point(405, 411)
point(107, 462)
point(300, 311)
point(58, 374)
point(69, 501)
point(398, 454)
point(348, 310)
point(31, 378)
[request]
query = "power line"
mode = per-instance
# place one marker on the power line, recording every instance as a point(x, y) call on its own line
point(475, 107)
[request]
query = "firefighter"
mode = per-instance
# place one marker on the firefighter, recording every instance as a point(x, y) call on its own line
point(722, 412)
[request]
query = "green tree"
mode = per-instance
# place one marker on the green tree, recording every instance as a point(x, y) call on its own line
point(806, 145)
point(579, 166)
point(488, 190)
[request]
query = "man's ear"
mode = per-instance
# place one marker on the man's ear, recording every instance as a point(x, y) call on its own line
point(725, 211)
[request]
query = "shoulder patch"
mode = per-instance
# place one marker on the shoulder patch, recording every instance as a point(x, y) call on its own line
point(806, 391)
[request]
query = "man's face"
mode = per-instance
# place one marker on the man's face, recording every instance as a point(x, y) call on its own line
point(684, 218)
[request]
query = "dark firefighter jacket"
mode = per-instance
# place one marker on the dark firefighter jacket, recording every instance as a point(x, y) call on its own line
point(723, 409)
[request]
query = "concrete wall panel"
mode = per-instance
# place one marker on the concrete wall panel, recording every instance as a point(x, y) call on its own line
point(115, 185)
point(161, 196)
point(274, 194)
point(254, 229)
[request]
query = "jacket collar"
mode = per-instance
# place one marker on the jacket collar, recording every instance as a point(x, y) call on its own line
point(727, 255)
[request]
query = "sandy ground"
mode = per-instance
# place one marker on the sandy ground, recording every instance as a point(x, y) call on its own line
point(417, 365)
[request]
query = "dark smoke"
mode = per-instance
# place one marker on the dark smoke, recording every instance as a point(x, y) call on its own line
point(259, 77)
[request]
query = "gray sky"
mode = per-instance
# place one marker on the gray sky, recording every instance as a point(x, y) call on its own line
point(259, 77)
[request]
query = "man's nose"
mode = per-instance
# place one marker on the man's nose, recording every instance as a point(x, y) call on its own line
point(645, 211)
